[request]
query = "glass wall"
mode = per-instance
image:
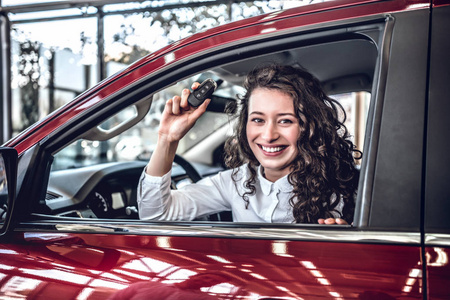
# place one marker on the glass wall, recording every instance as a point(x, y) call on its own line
point(61, 48)
point(52, 62)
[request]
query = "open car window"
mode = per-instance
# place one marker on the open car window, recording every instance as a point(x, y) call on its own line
point(104, 173)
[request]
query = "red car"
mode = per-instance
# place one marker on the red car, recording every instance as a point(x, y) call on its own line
point(68, 184)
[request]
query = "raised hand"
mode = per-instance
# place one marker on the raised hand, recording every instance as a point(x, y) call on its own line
point(179, 117)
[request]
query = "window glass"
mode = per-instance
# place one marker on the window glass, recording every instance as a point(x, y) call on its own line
point(356, 106)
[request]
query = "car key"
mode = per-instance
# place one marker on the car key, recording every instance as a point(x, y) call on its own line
point(203, 92)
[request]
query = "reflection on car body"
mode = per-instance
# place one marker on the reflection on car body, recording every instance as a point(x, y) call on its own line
point(72, 229)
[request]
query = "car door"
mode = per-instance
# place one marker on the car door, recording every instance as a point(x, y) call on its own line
point(378, 257)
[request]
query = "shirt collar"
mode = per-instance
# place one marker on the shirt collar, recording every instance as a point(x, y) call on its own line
point(267, 186)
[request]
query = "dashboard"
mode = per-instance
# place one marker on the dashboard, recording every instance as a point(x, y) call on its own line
point(106, 191)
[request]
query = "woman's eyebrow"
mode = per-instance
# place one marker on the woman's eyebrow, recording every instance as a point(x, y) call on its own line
point(256, 113)
point(280, 114)
point(287, 114)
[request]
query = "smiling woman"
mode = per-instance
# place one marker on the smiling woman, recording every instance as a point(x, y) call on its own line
point(315, 151)
point(273, 131)
point(288, 136)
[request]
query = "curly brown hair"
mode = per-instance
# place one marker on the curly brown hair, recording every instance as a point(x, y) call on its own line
point(324, 170)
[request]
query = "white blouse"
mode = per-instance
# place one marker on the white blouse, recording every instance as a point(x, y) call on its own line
point(270, 203)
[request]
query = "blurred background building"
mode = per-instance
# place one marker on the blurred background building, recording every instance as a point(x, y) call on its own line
point(51, 51)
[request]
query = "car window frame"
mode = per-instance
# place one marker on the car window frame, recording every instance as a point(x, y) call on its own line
point(184, 69)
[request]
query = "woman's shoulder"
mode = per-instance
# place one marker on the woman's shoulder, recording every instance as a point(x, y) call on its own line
point(236, 174)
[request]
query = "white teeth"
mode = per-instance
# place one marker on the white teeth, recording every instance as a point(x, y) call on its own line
point(271, 149)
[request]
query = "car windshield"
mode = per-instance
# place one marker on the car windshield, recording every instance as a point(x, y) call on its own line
point(138, 142)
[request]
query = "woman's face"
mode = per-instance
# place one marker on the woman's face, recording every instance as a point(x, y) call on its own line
point(273, 131)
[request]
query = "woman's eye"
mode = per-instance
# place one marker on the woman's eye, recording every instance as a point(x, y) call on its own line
point(257, 120)
point(286, 121)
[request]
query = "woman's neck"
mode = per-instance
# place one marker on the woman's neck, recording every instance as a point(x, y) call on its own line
point(273, 176)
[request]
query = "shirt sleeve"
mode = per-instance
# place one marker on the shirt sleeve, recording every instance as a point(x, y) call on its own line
point(157, 201)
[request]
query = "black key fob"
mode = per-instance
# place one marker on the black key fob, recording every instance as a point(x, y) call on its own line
point(203, 92)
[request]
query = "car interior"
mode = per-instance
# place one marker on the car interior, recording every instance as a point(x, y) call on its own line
point(105, 163)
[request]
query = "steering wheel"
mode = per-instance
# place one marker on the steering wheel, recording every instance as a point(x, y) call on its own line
point(191, 172)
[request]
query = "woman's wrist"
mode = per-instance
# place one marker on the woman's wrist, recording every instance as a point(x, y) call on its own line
point(162, 157)
point(165, 141)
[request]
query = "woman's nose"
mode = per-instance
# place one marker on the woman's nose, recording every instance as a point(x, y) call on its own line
point(270, 132)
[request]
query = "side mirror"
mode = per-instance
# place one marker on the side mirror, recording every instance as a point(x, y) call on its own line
point(8, 180)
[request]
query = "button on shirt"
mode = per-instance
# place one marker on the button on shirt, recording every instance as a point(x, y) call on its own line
point(270, 203)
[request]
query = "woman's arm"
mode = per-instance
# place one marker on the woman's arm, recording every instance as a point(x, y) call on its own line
point(177, 119)
point(156, 200)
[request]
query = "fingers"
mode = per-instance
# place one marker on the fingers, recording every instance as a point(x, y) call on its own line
point(184, 97)
point(168, 107)
point(201, 109)
point(176, 108)
point(180, 103)
point(177, 105)
point(331, 221)
point(341, 222)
